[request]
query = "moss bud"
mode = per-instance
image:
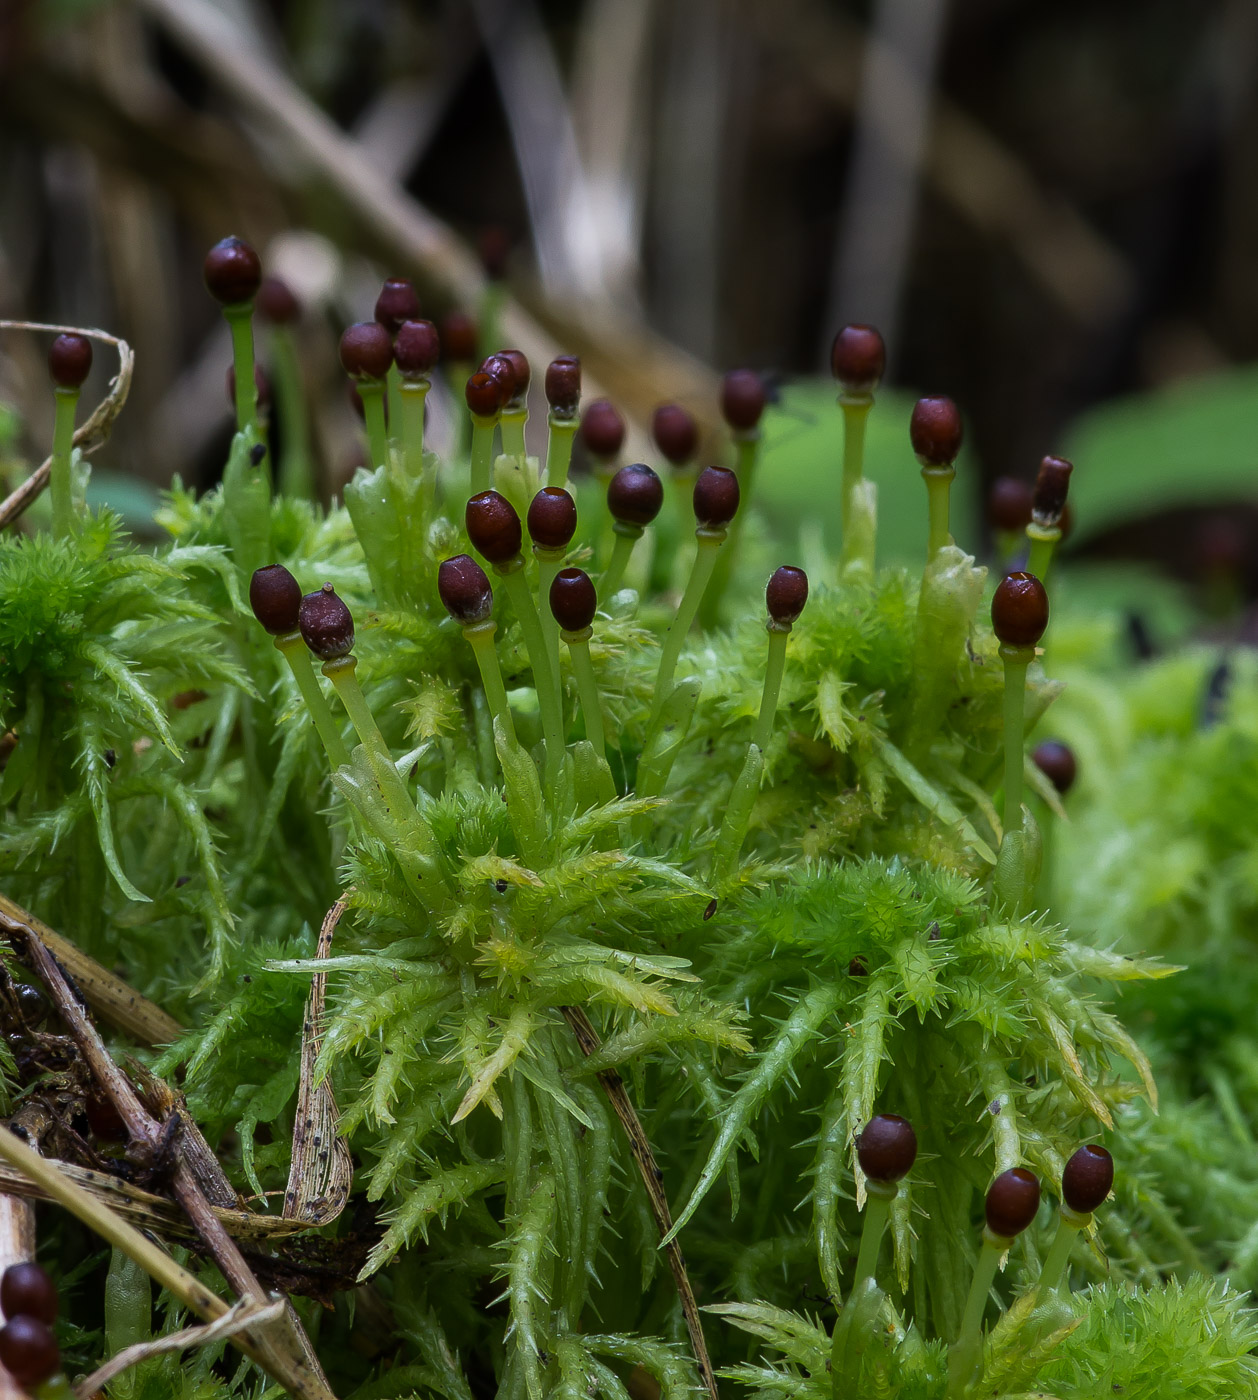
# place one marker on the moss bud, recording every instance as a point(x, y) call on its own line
point(935, 431)
point(396, 303)
point(715, 497)
point(275, 597)
point(858, 359)
point(458, 337)
point(1051, 486)
point(522, 374)
point(485, 394)
point(1087, 1179)
point(493, 527)
point(1012, 1201)
point(573, 600)
point(25, 1289)
point(675, 432)
point(29, 1351)
point(465, 590)
point(786, 594)
point(887, 1148)
point(602, 429)
point(1009, 504)
point(1019, 610)
point(70, 361)
point(327, 625)
point(1057, 762)
point(366, 350)
point(552, 518)
point(233, 272)
point(277, 302)
point(416, 348)
point(635, 494)
point(563, 385)
point(742, 399)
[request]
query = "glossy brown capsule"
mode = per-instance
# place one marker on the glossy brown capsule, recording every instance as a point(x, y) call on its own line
point(675, 432)
point(485, 394)
point(366, 350)
point(786, 594)
point(1019, 610)
point(887, 1148)
point(458, 337)
point(1051, 487)
point(522, 374)
point(398, 301)
point(1009, 504)
point(233, 272)
point(935, 431)
point(493, 527)
point(275, 597)
point(742, 399)
point(602, 429)
point(25, 1289)
point(858, 359)
point(573, 600)
point(416, 348)
point(277, 302)
point(1057, 762)
point(552, 518)
point(502, 367)
point(327, 625)
point(563, 385)
point(715, 497)
point(1087, 1179)
point(465, 589)
point(29, 1351)
point(70, 360)
point(635, 494)
point(1012, 1201)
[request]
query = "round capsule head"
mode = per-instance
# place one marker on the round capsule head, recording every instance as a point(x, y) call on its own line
point(552, 518)
point(327, 626)
point(485, 394)
point(29, 1351)
point(27, 1289)
point(277, 302)
point(458, 337)
point(233, 272)
point(563, 385)
point(858, 359)
point(493, 527)
point(1009, 504)
point(416, 348)
point(1087, 1179)
point(397, 302)
point(887, 1148)
point(715, 497)
point(465, 589)
point(1057, 762)
point(602, 429)
point(1051, 486)
point(635, 494)
point(70, 361)
point(1012, 1200)
point(521, 372)
point(935, 431)
point(502, 367)
point(675, 432)
point(742, 399)
point(573, 600)
point(275, 597)
point(366, 350)
point(785, 596)
point(1019, 610)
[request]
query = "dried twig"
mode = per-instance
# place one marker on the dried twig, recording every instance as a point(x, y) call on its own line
point(17, 1245)
point(92, 433)
point(653, 1180)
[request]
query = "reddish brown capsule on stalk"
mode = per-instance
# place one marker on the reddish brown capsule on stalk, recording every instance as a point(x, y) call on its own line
point(563, 385)
point(858, 359)
point(573, 600)
point(398, 301)
point(635, 494)
point(935, 431)
point(1012, 1201)
point(786, 594)
point(366, 350)
point(502, 367)
point(416, 348)
point(261, 385)
point(715, 497)
point(675, 432)
point(742, 399)
point(275, 597)
point(26, 1289)
point(522, 374)
point(465, 589)
point(458, 337)
point(1087, 1179)
point(29, 1351)
point(887, 1148)
point(602, 429)
point(1009, 504)
point(1057, 762)
point(552, 518)
point(1019, 610)
point(277, 302)
point(1051, 486)
point(485, 394)
point(233, 272)
point(70, 361)
point(493, 527)
point(327, 625)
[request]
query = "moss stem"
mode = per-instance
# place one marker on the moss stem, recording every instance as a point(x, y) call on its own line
point(412, 395)
point(371, 391)
point(587, 689)
point(855, 416)
point(622, 551)
point(294, 651)
point(709, 545)
point(1016, 660)
point(559, 448)
point(240, 322)
point(61, 480)
point(773, 671)
point(938, 488)
point(1069, 1224)
point(1043, 546)
point(480, 636)
point(965, 1356)
point(548, 698)
point(482, 452)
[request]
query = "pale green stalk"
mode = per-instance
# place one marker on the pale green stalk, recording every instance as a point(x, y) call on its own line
point(938, 483)
point(512, 423)
point(482, 452)
point(559, 448)
point(240, 322)
point(549, 562)
point(622, 551)
point(1016, 660)
point(1069, 1223)
point(747, 452)
point(965, 1356)
point(1044, 542)
point(877, 1212)
point(773, 671)
point(481, 637)
point(60, 482)
point(412, 394)
point(294, 651)
point(709, 545)
point(371, 391)
point(587, 689)
point(548, 699)
point(393, 388)
point(855, 416)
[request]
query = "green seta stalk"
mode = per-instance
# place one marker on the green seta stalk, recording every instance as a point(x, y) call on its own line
point(743, 400)
point(294, 651)
point(634, 497)
point(561, 430)
point(573, 603)
point(858, 360)
point(935, 431)
point(61, 480)
point(1048, 514)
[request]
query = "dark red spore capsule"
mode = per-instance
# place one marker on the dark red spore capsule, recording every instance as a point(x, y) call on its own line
point(573, 600)
point(493, 527)
point(786, 594)
point(502, 367)
point(277, 302)
point(563, 385)
point(602, 429)
point(29, 1351)
point(26, 1289)
point(458, 337)
point(715, 497)
point(398, 301)
point(1019, 610)
point(366, 350)
point(935, 431)
point(465, 589)
point(70, 361)
point(1057, 762)
point(233, 272)
point(1009, 504)
point(552, 518)
point(887, 1148)
point(742, 399)
point(1087, 1179)
point(858, 359)
point(327, 625)
point(416, 348)
point(1051, 487)
point(1012, 1201)
point(275, 597)
point(675, 432)
point(521, 372)
point(485, 394)
point(635, 494)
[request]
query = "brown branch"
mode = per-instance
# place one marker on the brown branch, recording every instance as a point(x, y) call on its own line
point(653, 1180)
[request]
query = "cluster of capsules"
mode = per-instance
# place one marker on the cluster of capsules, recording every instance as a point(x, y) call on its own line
point(28, 1349)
